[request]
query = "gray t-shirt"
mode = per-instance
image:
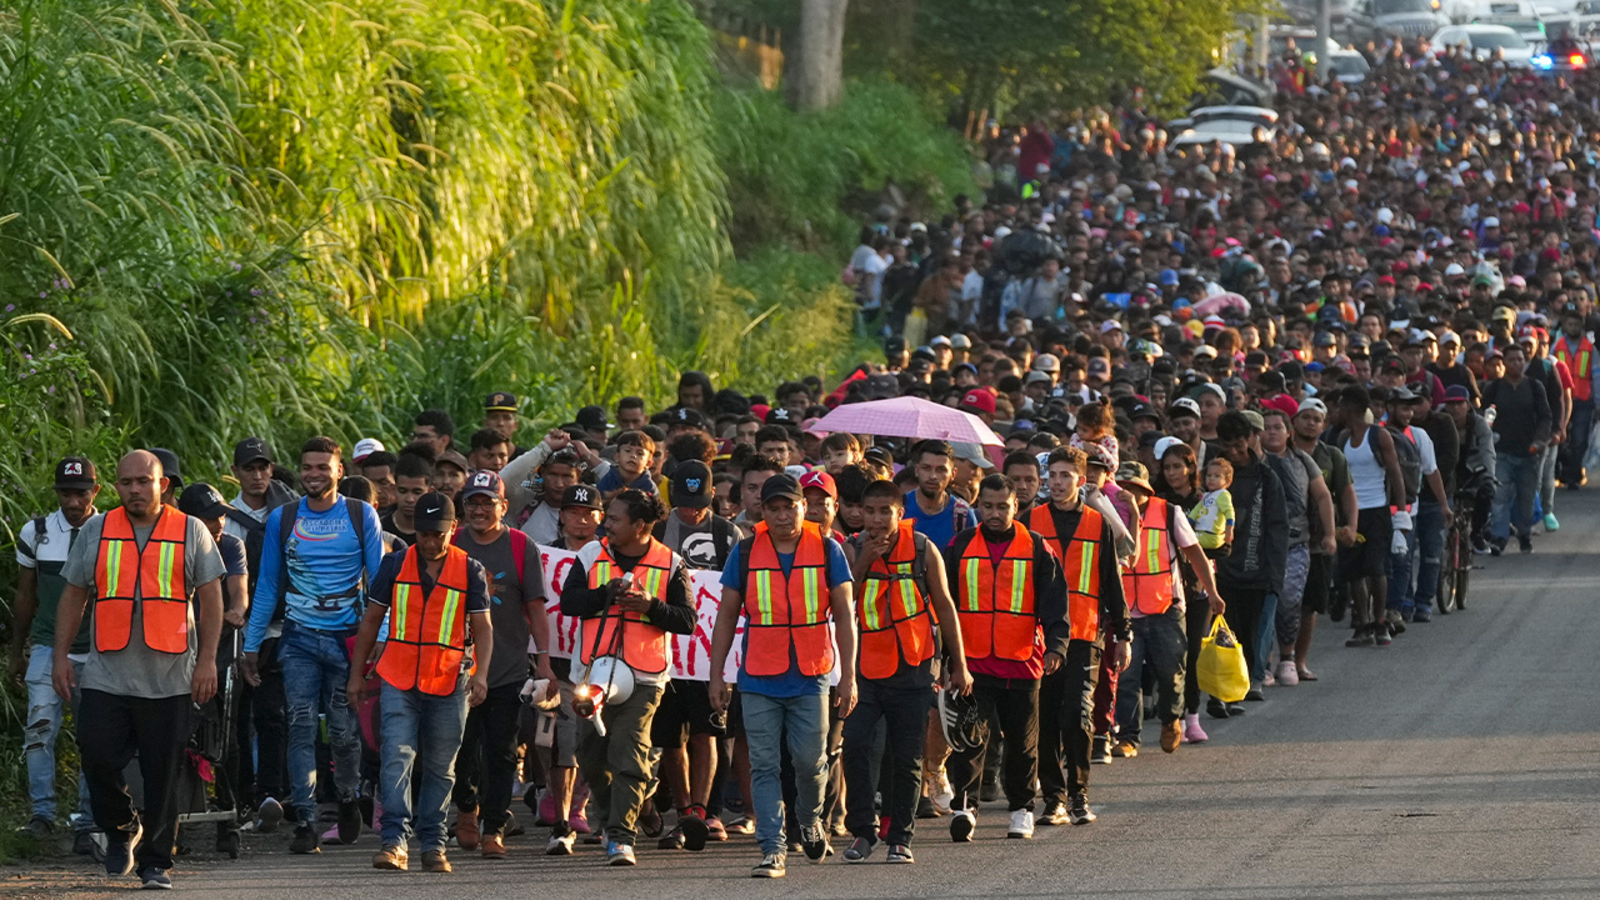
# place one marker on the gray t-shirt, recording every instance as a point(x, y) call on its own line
point(137, 670)
point(1296, 470)
point(509, 594)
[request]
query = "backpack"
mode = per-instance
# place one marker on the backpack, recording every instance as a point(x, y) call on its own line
point(519, 552)
point(1409, 456)
point(286, 521)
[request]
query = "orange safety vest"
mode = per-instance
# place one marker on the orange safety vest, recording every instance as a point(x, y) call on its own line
point(1080, 563)
point(427, 635)
point(784, 611)
point(155, 574)
point(1152, 561)
point(643, 646)
point(1579, 362)
point(996, 606)
point(896, 621)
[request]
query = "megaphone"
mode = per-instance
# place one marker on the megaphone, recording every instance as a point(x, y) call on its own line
point(609, 680)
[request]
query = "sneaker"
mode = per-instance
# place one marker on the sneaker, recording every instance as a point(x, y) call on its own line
point(1171, 736)
point(1363, 637)
point(512, 828)
point(467, 833)
point(1192, 732)
point(1078, 810)
point(268, 815)
point(926, 809)
point(1255, 694)
point(1395, 621)
point(560, 844)
point(577, 822)
point(815, 842)
point(962, 823)
point(990, 791)
point(493, 846)
point(349, 821)
point(1235, 710)
point(1497, 547)
point(547, 809)
point(1422, 614)
point(1216, 709)
point(39, 827)
point(436, 861)
point(694, 829)
point(1100, 754)
point(1480, 546)
point(119, 854)
point(1525, 543)
point(620, 855)
point(771, 866)
point(859, 850)
point(1055, 813)
point(901, 854)
point(392, 857)
point(305, 839)
point(1288, 675)
point(943, 795)
point(83, 844)
point(714, 829)
point(1021, 825)
point(155, 878)
point(1125, 750)
point(1550, 523)
point(1380, 636)
point(672, 840)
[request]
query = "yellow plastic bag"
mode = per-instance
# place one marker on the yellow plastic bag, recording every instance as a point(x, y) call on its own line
point(1221, 667)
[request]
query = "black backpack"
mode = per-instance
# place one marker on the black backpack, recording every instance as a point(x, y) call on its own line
point(1409, 456)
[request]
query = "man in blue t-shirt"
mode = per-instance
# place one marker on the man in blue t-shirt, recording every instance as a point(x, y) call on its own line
point(933, 511)
point(319, 574)
point(794, 655)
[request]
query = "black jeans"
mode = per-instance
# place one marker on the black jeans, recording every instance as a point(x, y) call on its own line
point(1066, 722)
point(156, 731)
point(904, 712)
point(1015, 703)
point(269, 712)
point(1158, 656)
point(1244, 616)
point(487, 763)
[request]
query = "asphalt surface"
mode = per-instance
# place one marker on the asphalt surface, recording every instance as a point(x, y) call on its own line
point(1463, 761)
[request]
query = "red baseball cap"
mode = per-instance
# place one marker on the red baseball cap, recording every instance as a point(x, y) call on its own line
point(1283, 403)
point(820, 480)
point(979, 399)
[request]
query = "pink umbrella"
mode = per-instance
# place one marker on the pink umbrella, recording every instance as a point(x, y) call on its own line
point(908, 417)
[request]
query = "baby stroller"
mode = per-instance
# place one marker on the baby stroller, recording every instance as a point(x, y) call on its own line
point(212, 757)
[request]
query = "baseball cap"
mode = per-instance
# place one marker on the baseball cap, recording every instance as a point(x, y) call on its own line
point(1312, 404)
point(486, 483)
point(364, 448)
point(455, 459)
point(1211, 388)
point(1165, 444)
point(1099, 365)
point(980, 400)
point(894, 345)
point(251, 449)
point(1392, 365)
point(1134, 473)
point(1282, 403)
point(1457, 393)
point(500, 401)
point(1183, 406)
point(972, 453)
point(821, 481)
point(592, 418)
point(1492, 222)
point(1046, 362)
point(202, 501)
point(434, 512)
point(939, 341)
point(1449, 338)
point(75, 473)
point(1254, 418)
point(1037, 377)
point(1109, 326)
point(961, 342)
point(779, 415)
point(691, 485)
point(685, 415)
point(782, 486)
point(1143, 410)
point(170, 466)
point(1205, 351)
point(584, 495)
point(1324, 339)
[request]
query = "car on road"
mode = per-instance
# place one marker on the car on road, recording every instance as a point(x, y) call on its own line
point(1485, 42)
point(1255, 115)
point(1520, 16)
point(1380, 20)
point(1229, 131)
point(1348, 66)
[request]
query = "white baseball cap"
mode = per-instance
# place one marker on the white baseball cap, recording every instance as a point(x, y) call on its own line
point(365, 448)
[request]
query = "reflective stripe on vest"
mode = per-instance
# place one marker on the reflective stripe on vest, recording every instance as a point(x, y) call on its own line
point(643, 646)
point(996, 606)
point(1152, 561)
point(155, 574)
point(1579, 362)
point(784, 612)
point(427, 634)
point(896, 625)
point(1080, 561)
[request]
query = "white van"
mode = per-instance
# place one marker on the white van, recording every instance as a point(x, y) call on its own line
point(1520, 16)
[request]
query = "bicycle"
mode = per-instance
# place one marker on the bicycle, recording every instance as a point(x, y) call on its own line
point(1456, 571)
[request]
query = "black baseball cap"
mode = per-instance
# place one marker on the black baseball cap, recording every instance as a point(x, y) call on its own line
point(779, 415)
point(202, 501)
point(592, 418)
point(500, 401)
point(75, 473)
point(691, 485)
point(782, 485)
point(169, 466)
point(583, 495)
point(251, 449)
point(685, 415)
point(434, 512)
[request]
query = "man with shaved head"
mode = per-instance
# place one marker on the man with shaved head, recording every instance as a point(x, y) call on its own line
point(149, 571)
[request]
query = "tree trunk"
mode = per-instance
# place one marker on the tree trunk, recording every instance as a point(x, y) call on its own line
point(819, 70)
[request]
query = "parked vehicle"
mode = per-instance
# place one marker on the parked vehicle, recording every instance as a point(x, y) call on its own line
point(1380, 20)
point(1486, 42)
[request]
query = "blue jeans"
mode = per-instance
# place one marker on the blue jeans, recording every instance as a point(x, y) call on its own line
point(316, 666)
point(1265, 638)
point(1516, 482)
point(766, 720)
point(39, 739)
point(419, 729)
point(1401, 567)
point(1428, 526)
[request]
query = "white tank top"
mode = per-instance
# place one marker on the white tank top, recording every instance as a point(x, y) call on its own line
point(1366, 472)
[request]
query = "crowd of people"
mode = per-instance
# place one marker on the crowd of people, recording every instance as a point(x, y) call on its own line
point(1264, 382)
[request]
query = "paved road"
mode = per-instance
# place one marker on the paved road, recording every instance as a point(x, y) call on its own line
point(1464, 761)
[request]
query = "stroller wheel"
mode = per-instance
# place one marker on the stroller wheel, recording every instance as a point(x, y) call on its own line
point(228, 842)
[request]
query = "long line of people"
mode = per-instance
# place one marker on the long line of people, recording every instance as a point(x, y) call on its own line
point(1270, 382)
